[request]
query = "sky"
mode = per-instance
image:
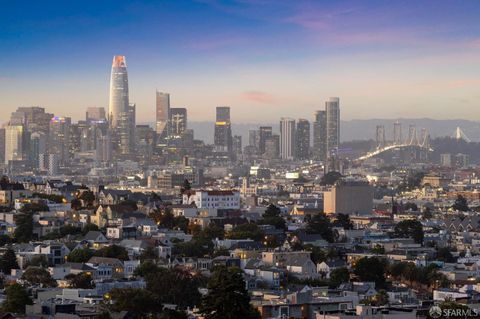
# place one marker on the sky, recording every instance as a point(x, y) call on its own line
point(264, 58)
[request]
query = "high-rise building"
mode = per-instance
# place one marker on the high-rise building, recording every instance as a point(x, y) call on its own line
point(237, 145)
point(332, 109)
point(14, 143)
point(103, 152)
point(125, 131)
point(2, 145)
point(38, 145)
point(162, 115)
point(264, 133)
point(95, 114)
point(254, 138)
point(178, 122)
point(287, 138)
point(118, 103)
point(272, 147)
point(35, 119)
point(59, 138)
point(223, 130)
point(302, 135)
point(320, 136)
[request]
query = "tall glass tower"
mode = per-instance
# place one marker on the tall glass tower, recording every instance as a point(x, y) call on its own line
point(118, 91)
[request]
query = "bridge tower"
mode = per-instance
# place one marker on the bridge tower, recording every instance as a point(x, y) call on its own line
point(397, 133)
point(380, 136)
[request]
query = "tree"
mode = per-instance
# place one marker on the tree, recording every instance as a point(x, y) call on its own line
point(38, 276)
point(272, 217)
point(320, 224)
point(146, 268)
point(444, 254)
point(339, 276)
point(411, 206)
point(148, 254)
point(38, 261)
point(246, 231)
point(16, 299)
point(8, 261)
point(112, 251)
point(380, 298)
point(89, 227)
point(24, 227)
point(227, 297)
point(330, 178)
point(69, 230)
point(174, 286)
point(186, 186)
point(461, 204)
point(371, 269)
point(343, 220)
point(140, 303)
point(88, 198)
point(410, 229)
point(80, 281)
point(80, 255)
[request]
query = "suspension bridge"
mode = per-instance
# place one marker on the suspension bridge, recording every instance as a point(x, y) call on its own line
point(412, 140)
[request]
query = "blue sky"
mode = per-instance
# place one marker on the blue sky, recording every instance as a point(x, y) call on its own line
point(265, 58)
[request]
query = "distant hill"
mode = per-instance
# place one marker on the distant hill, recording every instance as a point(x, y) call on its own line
point(358, 129)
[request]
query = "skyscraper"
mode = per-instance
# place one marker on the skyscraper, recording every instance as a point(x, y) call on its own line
point(302, 139)
point(59, 138)
point(162, 115)
point(178, 121)
point(320, 136)
point(332, 109)
point(264, 132)
point(287, 138)
point(118, 90)
point(95, 114)
point(223, 130)
point(14, 146)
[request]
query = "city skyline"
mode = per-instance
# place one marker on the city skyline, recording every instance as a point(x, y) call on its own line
point(385, 61)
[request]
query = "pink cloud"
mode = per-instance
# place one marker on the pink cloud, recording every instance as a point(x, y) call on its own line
point(258, 97)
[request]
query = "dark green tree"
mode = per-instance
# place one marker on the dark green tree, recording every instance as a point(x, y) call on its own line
point(186, 186)
point(38, 261)
point(174, 286)
point(339, 276)
point(444, 254)
point(227, 297)
point(245, 231)
point(112, 251)
point(461, 204)
point(343, 220)
point(409, 229)
point(89, 227)
point(272, 217)
point(80, 281)
point(38, 276)
point(371, 269)
point(80, 255)
point(24, 227)
point(320, 224)
point(8, 261)
point(140, 303)
point(330, 178)
point(16, 299)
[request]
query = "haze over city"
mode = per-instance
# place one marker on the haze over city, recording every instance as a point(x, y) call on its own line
point(263, 58)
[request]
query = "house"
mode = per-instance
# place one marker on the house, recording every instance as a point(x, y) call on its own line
point(302, 267)
point(106, 268)
point(95, 239)
point(325, 268)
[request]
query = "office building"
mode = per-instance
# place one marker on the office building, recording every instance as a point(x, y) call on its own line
point(119, 102)
point(14, 143)
point(320, 136)
point(95, 114)
point(59, 138)
point(35, 119)
point(254, 139)
point(103, 151)
point(264, 133)
point(272, 147)
point(349, 196)
point(302, 135)
point(178, 122)
point(237, 145)
point(287, 138)
point(162, 112)
point(332, 109)
point(223, 130)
